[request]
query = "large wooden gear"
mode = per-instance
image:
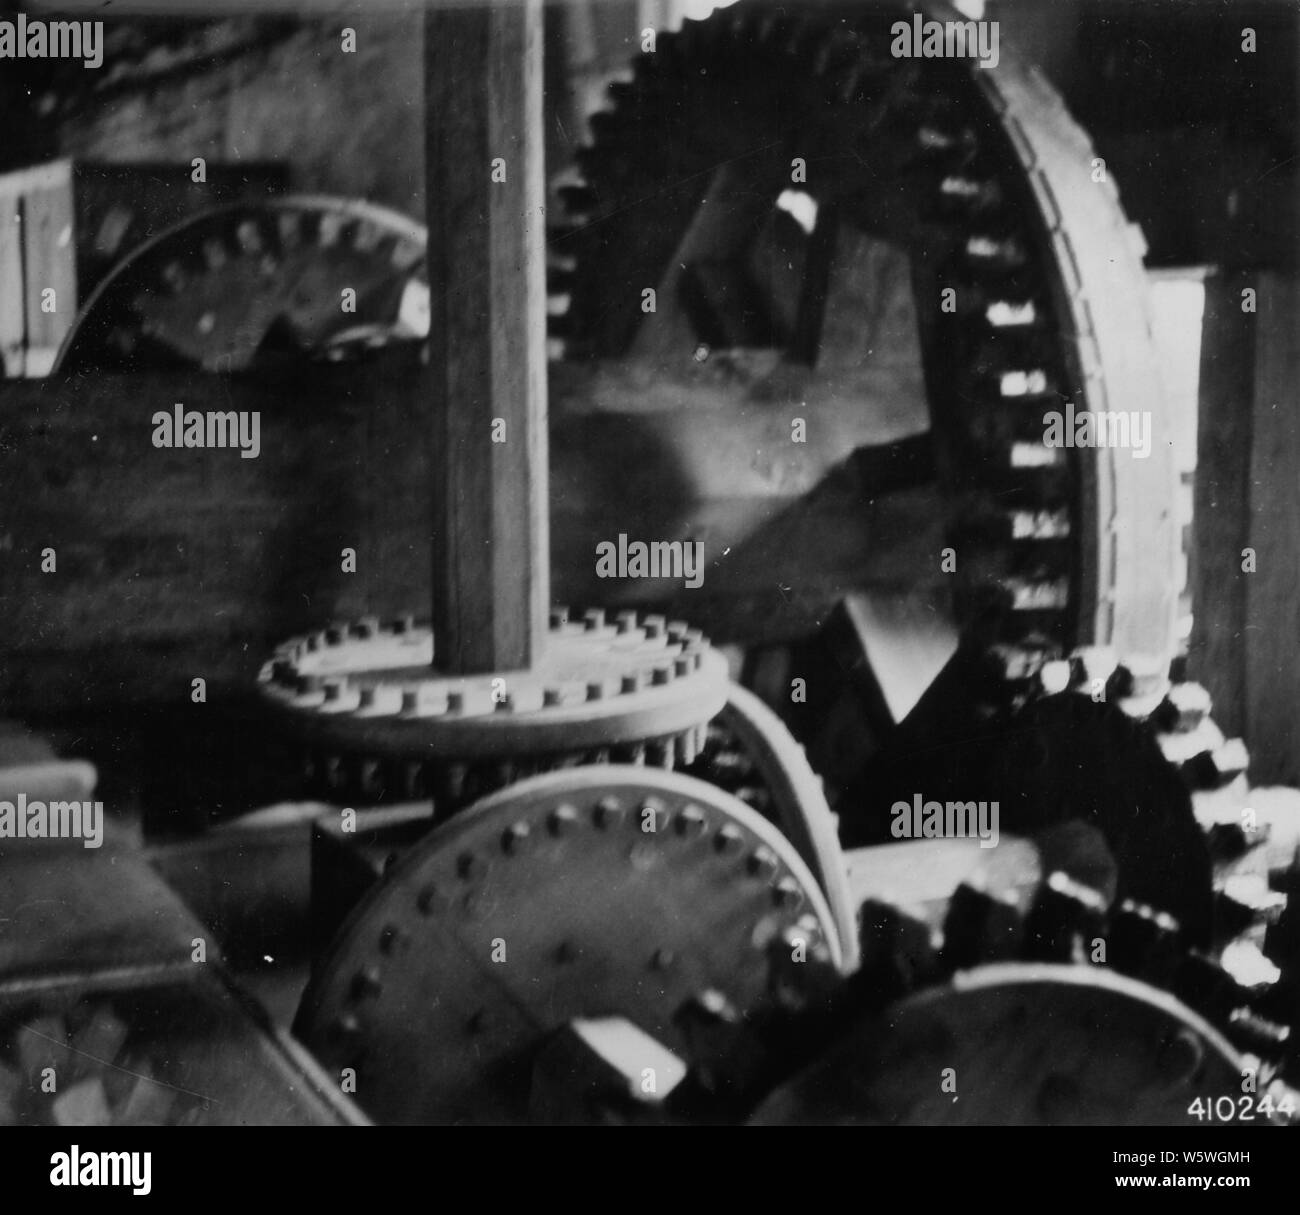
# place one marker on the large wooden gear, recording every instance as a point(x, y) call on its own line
point(1028, 283)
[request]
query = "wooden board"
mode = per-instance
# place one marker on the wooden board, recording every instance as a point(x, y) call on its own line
point(1221, 507)
point(487, 336)
point(13, 317)
point(1271, 631)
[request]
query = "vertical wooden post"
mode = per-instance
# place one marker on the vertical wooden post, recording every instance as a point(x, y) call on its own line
point(487, 337)
point(1272, 632)
point(1221, 513)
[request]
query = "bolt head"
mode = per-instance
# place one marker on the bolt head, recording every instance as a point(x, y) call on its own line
point(366, 982)
point(562, 820)
point(662, 959)
point(426, 901)
point(787, 894)
point(690, 822)
point(514, 837)
point(729, 840)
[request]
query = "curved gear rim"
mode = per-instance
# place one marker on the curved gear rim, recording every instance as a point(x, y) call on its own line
point(794, 800)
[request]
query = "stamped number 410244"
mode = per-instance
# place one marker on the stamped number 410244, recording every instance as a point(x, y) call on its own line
point(1240, 1109)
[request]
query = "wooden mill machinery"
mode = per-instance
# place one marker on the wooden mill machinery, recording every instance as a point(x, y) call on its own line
point(572, 868)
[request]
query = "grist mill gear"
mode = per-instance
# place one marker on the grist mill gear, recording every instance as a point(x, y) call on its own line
point(1028, 282)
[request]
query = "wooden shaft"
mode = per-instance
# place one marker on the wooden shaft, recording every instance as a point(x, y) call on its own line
point(487, 337)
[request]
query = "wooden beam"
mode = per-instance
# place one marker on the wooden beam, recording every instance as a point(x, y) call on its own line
point(487, 338)
point(1272, 628)
point(1222, 506)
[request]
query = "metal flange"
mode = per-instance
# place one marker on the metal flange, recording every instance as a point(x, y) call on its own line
point(372, 688)
point(608, 891)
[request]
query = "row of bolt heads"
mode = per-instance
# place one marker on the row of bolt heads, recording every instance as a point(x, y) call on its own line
point(331, 688)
